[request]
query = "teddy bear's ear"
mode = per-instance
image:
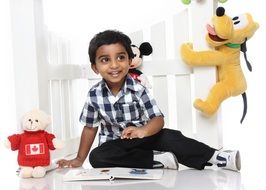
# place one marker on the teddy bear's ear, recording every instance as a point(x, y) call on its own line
point(43, 116)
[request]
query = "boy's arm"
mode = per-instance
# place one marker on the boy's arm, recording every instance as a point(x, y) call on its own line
point(152, 127)
point(87, 137)
point(86, 141)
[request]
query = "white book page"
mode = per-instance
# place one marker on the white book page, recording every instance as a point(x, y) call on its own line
point(112, 173)
point(136, 173)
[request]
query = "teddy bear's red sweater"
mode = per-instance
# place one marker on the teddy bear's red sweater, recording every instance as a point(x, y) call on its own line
point(33, 147)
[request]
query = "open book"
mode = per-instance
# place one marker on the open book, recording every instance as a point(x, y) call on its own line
point(112, 173)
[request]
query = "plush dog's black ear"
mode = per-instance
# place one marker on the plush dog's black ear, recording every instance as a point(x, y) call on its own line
point(145, 48)
point(244, 50)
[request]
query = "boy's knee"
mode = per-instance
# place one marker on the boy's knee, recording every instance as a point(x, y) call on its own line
point(171, 131)
point(96, 159)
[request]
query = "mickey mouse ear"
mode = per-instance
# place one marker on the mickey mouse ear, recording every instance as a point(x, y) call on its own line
point(145, 48)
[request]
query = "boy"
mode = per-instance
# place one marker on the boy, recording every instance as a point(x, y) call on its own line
point(131, 124)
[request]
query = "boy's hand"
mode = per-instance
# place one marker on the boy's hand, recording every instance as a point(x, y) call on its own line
point(133, 132)
point(74, 163)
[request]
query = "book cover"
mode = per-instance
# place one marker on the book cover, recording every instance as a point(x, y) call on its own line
point(112, 173)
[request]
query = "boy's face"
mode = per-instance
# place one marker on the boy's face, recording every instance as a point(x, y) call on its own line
point(112, 63)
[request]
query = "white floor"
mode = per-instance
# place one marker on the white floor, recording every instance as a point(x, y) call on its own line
point(249, 140)
point(187, 179)
point(184, 179)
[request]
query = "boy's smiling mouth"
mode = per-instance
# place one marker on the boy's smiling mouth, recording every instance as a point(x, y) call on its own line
point(114, 73)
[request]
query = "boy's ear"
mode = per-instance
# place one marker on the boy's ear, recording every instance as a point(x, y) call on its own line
point(93, 67)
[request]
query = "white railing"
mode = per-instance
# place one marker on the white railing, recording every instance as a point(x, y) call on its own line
point(171, 79)
point(57, 80)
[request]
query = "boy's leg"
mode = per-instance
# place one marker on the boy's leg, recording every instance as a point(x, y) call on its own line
point(122, 153)
point(188, 152)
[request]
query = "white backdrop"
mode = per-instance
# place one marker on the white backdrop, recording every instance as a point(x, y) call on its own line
point(82, 19)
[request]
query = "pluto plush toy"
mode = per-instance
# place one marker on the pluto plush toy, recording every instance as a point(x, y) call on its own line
point(145, 48)
point(228, 37)
point(34, 144)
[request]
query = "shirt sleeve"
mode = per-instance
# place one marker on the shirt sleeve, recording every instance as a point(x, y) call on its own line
point(149, 105)
point(89, 115)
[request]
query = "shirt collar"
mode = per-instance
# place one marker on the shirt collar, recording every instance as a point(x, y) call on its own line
point(129, 84)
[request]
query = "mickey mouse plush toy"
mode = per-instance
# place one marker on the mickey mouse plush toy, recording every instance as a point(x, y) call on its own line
point(144, 49)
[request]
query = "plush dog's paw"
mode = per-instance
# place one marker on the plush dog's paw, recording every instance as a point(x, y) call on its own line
point(185, 52)
point(204, 107)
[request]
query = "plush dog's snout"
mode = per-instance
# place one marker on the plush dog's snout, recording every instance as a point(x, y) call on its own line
point(220, 11)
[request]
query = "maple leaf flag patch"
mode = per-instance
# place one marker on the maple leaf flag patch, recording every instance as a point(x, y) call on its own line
point(34, 149)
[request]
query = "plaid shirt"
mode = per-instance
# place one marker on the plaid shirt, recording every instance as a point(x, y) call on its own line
point(132, 106)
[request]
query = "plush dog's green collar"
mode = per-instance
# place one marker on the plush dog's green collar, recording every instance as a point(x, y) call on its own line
point(231, 45)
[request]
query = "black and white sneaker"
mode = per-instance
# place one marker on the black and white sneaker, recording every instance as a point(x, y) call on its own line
point(157, 165)
point(229, 159)
point(165, 160)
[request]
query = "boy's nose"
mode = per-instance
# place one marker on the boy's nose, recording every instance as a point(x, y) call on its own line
point(114, 64)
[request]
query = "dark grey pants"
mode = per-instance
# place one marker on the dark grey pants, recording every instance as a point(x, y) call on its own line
point(138, 153)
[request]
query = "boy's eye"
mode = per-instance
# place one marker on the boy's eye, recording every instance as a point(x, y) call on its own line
point(121, 57)
point(104, 59)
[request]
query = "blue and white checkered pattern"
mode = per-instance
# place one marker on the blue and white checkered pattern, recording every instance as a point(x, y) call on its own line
point(133, 105)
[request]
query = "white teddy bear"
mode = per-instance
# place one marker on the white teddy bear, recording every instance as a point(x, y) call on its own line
point(34, 144)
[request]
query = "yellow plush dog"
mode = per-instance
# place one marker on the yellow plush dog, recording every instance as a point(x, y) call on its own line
point(227, 36)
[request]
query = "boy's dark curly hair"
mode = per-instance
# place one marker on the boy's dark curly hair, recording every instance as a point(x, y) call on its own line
point(109, 37)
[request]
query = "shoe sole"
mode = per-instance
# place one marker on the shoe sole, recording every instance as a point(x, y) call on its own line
point(175, 159)
point(238, 161)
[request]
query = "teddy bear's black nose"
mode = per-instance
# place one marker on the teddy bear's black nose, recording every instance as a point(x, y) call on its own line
point(220, 11)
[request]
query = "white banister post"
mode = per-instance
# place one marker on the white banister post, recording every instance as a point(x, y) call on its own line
point(42, 56)
point(29, 52)
point(209, 129)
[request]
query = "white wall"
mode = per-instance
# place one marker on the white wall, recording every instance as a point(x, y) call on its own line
point(78, 20)
point(7, 94)
point(89, 17)
point(7, 103)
